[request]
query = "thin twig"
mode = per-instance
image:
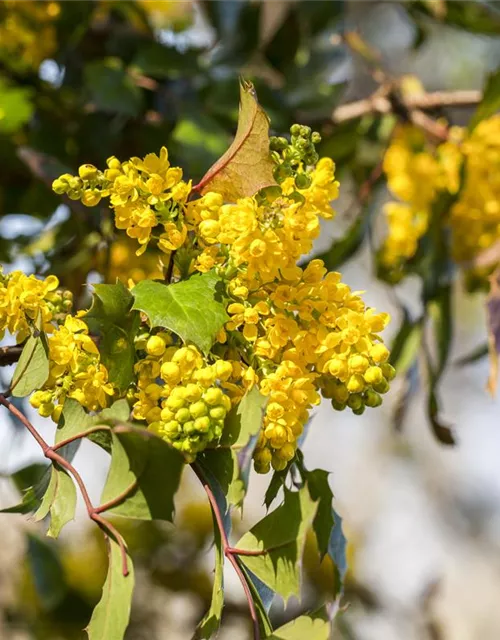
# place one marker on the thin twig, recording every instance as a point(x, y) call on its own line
point(51, 454)
point(379, 103)
point(230, 552)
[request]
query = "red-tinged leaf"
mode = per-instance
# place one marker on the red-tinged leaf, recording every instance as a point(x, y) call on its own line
point(246, 167)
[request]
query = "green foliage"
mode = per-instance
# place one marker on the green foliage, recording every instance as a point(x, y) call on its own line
point(147, 471)
point(112, 89)
point(48, 574)
point(33, 367)
point(111, 615)
point(315, 626)
point(210, 624)
point(16, 106)
point(192, 309)
point(244, 421)
point(490, 103)
point(112, 319)
point(281, 534)
point(59, 501)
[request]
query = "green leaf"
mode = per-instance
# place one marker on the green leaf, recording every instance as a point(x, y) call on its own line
point(406, 345)
point(210, 624)
point(317, 482)
point(315, 626)
point(337, 546)
point(246, 167)
point(490, 102)
point(112, 89)
point(277, 483)
point(32, 482)
point(112, 319)
point(223, 464)
point(111, 615)
point(59, 500)
point(192, 308)
point(73, 421)
point(147, 465)
point(47, 572)
point(281, 534)
point(244, 420)
point(16, 106)
point(32, 369)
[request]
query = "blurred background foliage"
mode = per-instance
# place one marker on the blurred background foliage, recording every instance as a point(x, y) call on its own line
point(84, 80)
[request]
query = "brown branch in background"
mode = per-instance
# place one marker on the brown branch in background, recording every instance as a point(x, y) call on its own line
point(379, 102)
point(51, 454)
point(10, 355)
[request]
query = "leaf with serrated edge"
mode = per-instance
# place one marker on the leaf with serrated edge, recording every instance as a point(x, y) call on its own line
point(246, 167)
point(111, 616)
point(314, 626)
point(189, 308)
point(282, 534)
point(32, 370)
point(148, 464)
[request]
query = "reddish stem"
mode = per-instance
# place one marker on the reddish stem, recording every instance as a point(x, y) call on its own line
point(230, 552)
point(50, 453)
point(78, 436)
point(119, 498)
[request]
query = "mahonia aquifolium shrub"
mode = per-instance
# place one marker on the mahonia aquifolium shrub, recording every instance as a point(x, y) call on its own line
point(420, 173)
point(298, 333)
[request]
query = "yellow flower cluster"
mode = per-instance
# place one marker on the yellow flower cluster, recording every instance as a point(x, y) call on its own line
point(182, 398)
point(28, 303)
point(75, 371)
point(27, 35)
point(475, 217)
point(307, 336)
point(304, 331)
point(416, 174)
point(419, 174)
point(298, 333)
point(144, 194)
point(267, 238)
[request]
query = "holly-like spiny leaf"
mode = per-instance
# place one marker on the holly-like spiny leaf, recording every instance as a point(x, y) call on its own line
point(319, 488)
point(193, 309)
point(281, 534)
point(111, 615)
point(146, 471)
point(32, 369)
point(246, 167)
